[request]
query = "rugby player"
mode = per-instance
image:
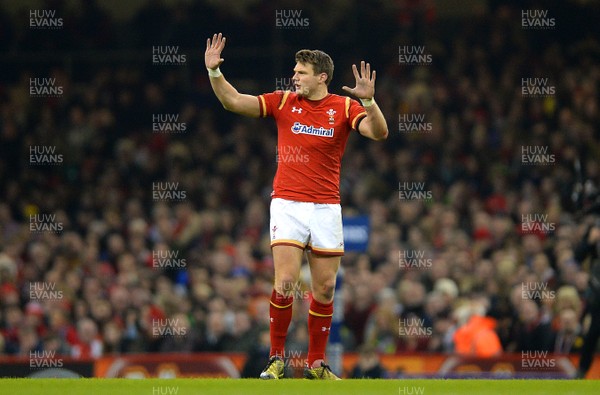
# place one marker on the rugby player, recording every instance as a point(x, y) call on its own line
point(305, 213)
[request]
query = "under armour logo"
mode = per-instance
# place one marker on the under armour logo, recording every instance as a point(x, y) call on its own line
point(324, 329)
point(272, 320)
point(298, 110)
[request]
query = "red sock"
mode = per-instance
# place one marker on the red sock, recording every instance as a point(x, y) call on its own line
point(319, 323)
point(280, 312)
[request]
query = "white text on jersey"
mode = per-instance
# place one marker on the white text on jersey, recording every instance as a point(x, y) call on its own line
point(304, 129)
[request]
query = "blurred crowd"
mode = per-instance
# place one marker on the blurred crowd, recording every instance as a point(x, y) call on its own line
point(130, 272)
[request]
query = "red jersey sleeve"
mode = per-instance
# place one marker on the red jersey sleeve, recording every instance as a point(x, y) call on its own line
point(271, 103)
point(354, 112)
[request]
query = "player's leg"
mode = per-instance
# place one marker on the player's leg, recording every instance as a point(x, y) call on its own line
point(326, 249)
point(287, 261)
point(288, 238)
point(323, 273)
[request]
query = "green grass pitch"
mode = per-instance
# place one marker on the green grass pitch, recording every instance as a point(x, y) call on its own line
point(293, 387)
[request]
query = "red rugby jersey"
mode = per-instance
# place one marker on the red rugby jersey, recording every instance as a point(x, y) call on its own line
point(311, 139)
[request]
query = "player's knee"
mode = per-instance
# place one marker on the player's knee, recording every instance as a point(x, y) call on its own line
point(326, 289)
point(285, 284)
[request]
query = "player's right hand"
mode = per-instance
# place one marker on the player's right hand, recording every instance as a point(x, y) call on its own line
point(212, 56)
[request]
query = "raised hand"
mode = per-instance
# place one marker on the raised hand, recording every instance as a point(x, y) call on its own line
point(365, 82)
point(212, 56)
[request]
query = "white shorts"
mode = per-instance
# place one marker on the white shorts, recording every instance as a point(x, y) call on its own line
point(313, 226)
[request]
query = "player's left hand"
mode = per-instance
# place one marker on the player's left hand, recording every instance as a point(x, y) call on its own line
point(365, 82)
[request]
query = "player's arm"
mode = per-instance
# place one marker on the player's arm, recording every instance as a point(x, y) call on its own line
point(373, 125)
point(229, 97)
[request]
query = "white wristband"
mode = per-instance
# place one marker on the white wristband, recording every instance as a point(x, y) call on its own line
point(367, 102)
point(214, 73)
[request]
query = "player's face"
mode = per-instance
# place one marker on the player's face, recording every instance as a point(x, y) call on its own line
point(305, 80)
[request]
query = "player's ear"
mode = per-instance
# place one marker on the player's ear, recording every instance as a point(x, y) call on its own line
point(323, 77)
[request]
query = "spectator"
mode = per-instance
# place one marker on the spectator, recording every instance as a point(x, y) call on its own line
point(29, 342)
point(258, 354)
point(568, 338)
point(88, 343)
point(358, 310)
point(476, 334)
point(368, 365)
point(181, 337)
point(52, 344)
point(13, 317)
point(533, 333)
point(112, 338)
point(217, 336)
point(243, 335)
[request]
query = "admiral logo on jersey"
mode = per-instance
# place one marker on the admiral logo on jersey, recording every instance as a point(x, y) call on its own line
point(297, 127)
